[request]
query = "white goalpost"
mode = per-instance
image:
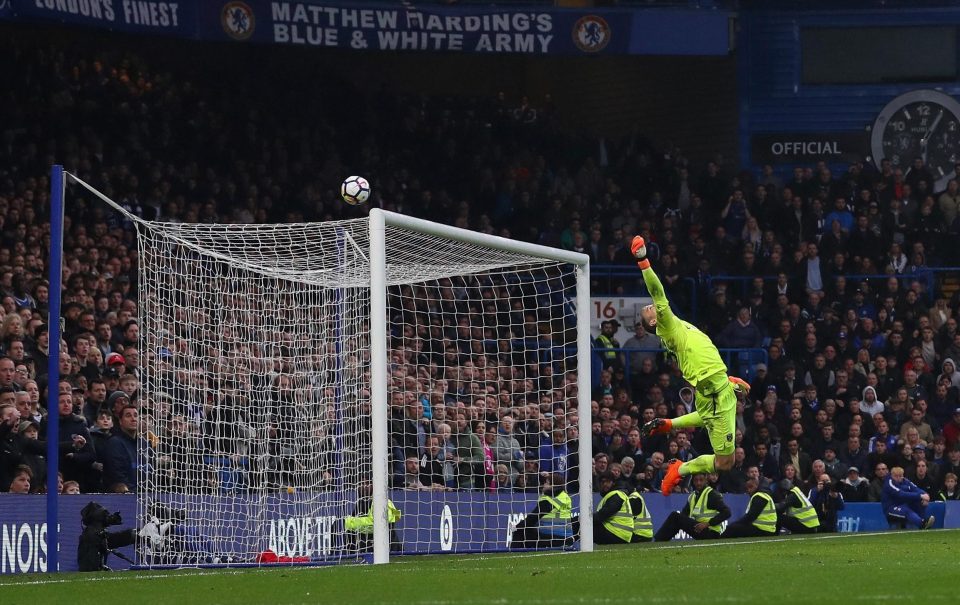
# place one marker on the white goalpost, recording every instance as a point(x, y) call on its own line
point(323, 392)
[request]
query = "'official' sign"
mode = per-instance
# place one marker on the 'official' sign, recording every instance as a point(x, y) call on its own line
point(809, 147)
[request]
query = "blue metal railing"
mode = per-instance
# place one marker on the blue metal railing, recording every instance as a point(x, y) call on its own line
point(626, 280)
point(740, 362)
point(613, 280)
point(927, 278)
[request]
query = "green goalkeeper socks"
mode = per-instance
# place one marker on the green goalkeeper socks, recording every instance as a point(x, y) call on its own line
point(700, 464)
point(687, 421)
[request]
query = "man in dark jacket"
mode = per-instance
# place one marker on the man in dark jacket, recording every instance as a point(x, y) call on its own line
point(120, 462)
point(14, 449)
point(742, 332)
point(77, 453)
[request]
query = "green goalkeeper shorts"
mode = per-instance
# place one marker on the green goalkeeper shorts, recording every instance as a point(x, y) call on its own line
point(718, 411)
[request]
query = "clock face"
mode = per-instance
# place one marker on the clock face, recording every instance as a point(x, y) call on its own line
point(924, 124)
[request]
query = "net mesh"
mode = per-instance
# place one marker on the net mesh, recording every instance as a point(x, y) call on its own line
point(256, 399)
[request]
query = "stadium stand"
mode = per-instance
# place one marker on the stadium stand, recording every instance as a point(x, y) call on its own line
point(834, 275)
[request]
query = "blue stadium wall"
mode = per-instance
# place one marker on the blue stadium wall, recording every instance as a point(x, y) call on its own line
point(771, 95)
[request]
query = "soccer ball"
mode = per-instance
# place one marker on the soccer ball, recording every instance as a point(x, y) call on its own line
point(355, 190)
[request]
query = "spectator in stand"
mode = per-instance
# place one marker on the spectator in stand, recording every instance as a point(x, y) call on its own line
point(21, 482)
point(875, 489)
point(647, 342)
point(77, 454)
point(952, 464)
point(855, 454)
point(506, 448)
point(949, 491)
point(121, 464)
point(951, 431)
point(469, 453)
point(741, 333)
point(854, 488)
point(734, 481)
point(949, 373)
point(883, 434)
point(431, 465)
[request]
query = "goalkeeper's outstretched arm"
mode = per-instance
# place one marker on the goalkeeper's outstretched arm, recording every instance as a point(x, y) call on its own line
point(665, 316)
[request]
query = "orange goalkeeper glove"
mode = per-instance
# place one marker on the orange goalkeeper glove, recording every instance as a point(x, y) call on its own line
point(739, 385)
point(639, 249)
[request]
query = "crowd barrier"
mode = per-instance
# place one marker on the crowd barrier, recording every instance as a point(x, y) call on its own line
point(927, 277)
point(304, 525)
point(740, 362)
point(617, 279)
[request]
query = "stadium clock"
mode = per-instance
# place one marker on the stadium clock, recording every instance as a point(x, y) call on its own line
point(921, 123)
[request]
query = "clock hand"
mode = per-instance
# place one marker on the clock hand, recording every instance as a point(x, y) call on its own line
point(934, 125)
point(926, 137)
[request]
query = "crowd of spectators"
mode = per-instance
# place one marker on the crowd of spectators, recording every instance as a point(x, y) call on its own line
point(860, 369)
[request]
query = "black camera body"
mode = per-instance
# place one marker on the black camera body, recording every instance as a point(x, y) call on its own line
point(95, 515)
point(95, 541)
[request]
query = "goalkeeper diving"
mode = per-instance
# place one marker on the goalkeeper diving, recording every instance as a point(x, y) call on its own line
point(702, 367)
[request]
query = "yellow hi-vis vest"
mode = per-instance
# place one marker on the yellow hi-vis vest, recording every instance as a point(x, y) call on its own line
point(700, 511)
point(558, 521)
point(605, 342)
point(621, 523)
point(364, 523)
point(767, 520)
point(806, 514)
point(642, 523)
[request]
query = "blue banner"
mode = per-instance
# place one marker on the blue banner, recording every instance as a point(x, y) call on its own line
point(394, 27)
point(418, 28)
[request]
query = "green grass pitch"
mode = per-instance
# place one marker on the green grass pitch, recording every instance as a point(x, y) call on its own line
point(896, 567)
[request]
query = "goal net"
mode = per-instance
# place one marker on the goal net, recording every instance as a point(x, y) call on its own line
point(319, 392)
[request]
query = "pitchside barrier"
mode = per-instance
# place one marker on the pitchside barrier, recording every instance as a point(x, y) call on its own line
point(454, 522)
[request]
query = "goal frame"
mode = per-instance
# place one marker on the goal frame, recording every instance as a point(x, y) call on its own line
point(379, 221)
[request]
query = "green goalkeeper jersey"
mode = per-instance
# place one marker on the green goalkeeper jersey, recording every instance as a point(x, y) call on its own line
point(699, 359)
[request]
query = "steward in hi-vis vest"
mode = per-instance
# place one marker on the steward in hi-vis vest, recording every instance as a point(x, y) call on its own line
point(759, 520)
point(613, 522)
point(642, 523)
point(359, 525)
point(797, 514)
point(703, 516)
point(550, 524)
